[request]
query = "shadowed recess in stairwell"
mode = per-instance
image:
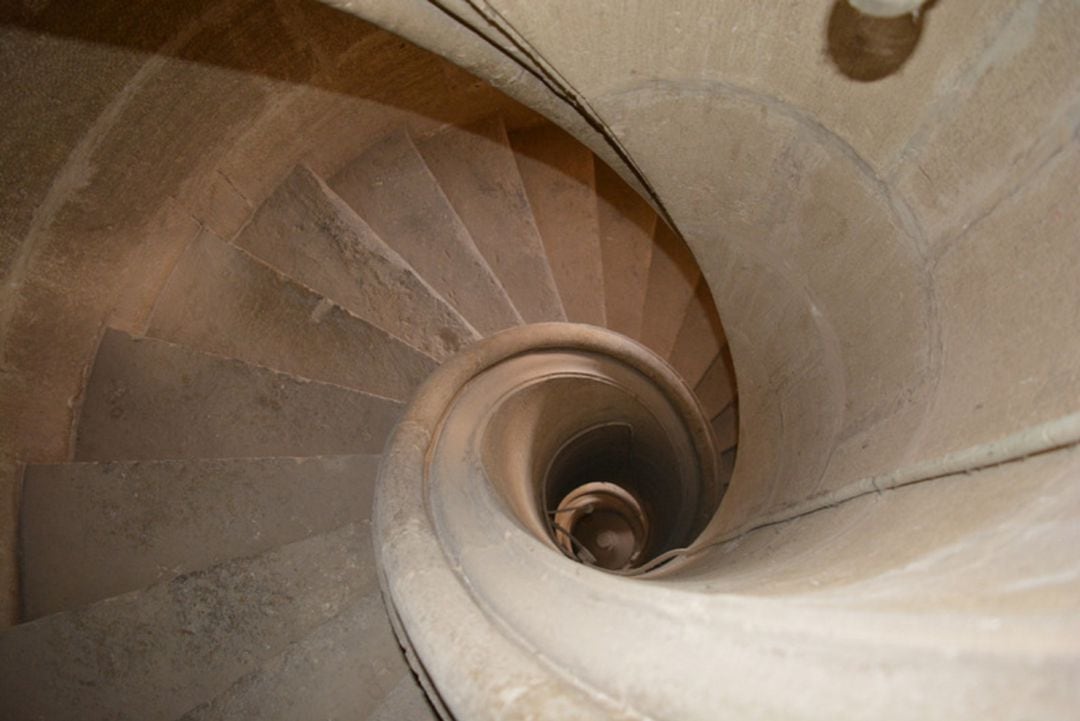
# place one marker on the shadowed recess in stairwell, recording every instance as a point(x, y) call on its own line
point(609, 463)
point(867, 48)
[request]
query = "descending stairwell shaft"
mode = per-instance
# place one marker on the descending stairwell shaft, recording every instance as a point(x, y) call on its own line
point(612, 464)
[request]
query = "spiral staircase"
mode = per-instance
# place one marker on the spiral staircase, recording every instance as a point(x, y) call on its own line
point(342, 377)
point(209, 553)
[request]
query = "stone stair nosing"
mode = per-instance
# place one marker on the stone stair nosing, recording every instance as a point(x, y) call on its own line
point(673, 276)
point(310, 235)
point(475, 167)
point(726, 467)
point(222, 300)
point(626, 224)
point(90, 531)
point(156, 653)
point(700, 337)
point(559, 177)
point(396, 194)
point(726, 428)
point(148, 399)
point(716, 389)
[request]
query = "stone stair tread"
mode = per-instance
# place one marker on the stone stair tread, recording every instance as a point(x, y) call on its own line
point(716, 389)
point(626, 224)
point(392, 189)
point(149, 399)
point(476, 169)
point(673, 277)
point(700, 337)
point(156, 653)
point(559, 178)
point(726, 467)
point(307, 233)
point(726, 429)
point(223, 301)
point(349, 669)
point(91, 531)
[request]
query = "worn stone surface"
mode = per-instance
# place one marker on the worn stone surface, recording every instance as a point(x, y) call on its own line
point(626, 224)
point(165, 239)
point(476, 169)
point(222, 301)
point(559, 179)
point(700, 338)
point(395, 193)
point(405, 701)
point(1018, 109)
point(347, 669)
point(147, 399)
point(34, 151)
point(310, 235)
point(42, 378)
point(778, 52)
point(156, 653)
point(89, 531)
point(43, 362)
point(673, 276)
point(1024, 512)
point(10, 486)
point(1011, 337)
point(369, 84)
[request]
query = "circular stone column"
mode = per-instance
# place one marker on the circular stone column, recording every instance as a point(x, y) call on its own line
point(560, 452)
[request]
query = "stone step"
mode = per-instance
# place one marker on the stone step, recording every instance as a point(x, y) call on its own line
point(627, 224)
point(716, 389)
point(349, 669)
point(222, 301)
point(477, 171)
point(157, 653)
point(700, 337)
point(726, 428)
point(310, 235)
point(673, 277)
point(726, 467)
point(148, 399)
point(559, 180)
point(392, 189)
point(90, 531)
